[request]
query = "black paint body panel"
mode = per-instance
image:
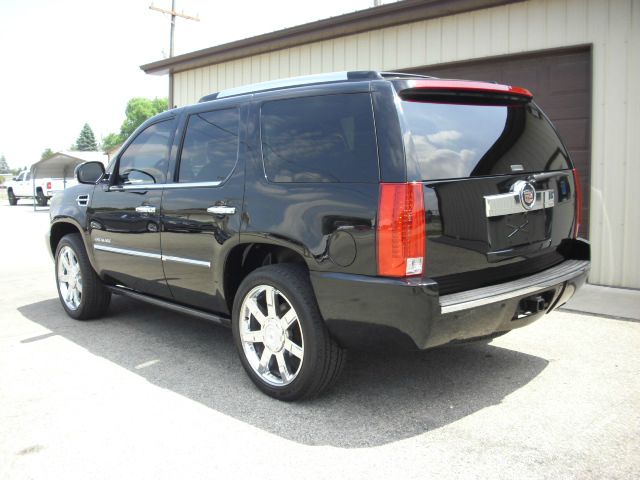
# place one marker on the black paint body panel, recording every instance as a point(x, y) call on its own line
point(114, 223)
point(466, 249)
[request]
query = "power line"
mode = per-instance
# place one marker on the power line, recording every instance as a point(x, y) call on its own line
point(173, 14)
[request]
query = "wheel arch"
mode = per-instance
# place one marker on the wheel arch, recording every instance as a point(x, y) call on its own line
point(244, 258)
point(60, 228)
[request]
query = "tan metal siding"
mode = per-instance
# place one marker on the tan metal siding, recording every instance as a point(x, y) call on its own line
point(630, 252)
point(612, 28)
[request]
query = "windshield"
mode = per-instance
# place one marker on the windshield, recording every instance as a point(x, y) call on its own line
point(456, 141)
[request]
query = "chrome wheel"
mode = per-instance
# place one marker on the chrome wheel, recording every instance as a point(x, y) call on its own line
point(69, 278)
point(271, 335)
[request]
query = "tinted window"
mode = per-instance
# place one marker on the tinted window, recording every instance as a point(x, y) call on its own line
point(453, 141)
point(145, 159)
point(210, 146)
point(319, 139)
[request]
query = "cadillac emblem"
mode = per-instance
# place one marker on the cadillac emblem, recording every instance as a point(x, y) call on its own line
point(526, 192)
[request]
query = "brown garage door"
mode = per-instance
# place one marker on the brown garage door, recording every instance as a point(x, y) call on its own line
point(561, 85)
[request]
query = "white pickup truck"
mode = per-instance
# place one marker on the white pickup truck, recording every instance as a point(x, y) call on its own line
point(42, 189)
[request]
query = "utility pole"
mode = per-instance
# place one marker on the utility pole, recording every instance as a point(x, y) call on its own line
point(173, 14)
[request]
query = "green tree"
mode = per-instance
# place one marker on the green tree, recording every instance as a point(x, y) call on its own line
point(47, 153)
point(4, 166)
point(86, 141)
point(138, 110)
point(111, 141)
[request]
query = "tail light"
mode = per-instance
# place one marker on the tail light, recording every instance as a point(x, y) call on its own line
point(48, 185)
point(401, 234)
point(578, 191)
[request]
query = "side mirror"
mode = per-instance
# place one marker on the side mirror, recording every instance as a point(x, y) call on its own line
point(89, 172)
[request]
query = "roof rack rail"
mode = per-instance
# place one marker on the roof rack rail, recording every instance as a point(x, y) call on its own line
point(403, 75)
point(294, 82)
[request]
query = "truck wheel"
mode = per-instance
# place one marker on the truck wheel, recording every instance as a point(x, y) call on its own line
point(12, 198)
point(280, 335)
point(81, 291)
point(41, 200)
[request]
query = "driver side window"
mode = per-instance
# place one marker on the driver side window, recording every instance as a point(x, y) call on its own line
point(145, 160)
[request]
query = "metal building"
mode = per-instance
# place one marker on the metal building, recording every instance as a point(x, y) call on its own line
point(579, 57)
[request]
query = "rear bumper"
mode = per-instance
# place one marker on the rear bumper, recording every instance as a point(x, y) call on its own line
point(362, 311)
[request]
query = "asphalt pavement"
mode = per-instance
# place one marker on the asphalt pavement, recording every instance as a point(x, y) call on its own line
point(146, 393)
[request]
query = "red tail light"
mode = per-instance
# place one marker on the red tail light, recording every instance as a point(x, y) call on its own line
point(48, 185)
point(401, 233)
point(578, 190)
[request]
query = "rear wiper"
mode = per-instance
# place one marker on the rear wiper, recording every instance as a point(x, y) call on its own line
point(546, 175)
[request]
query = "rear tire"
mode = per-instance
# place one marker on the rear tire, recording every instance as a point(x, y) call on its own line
point(41, 200)
point(13, 200)
point(285, 348)
point(81, 292)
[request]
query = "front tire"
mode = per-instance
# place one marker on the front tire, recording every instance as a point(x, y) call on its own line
point(81, 292)
point(281, 338)
point(13, 200)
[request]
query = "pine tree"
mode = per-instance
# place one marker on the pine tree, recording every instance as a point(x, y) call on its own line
point(4, 166)
point(46, 154)
point(86, 141)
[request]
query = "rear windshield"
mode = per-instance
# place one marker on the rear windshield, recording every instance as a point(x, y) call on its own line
point(455, 141)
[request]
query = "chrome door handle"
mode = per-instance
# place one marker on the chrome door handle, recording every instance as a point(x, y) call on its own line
point(145, 209)
point(221, 210)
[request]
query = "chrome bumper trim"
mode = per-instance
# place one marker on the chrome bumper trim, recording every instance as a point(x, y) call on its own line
point(478, 297)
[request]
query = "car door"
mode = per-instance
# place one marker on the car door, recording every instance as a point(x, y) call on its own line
point(124, 213)
point(24, 188)
point(201, 209)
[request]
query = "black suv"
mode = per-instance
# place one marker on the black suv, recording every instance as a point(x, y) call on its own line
point(313, 214)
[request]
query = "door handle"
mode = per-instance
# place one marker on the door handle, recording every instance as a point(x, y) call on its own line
point(221, 210)
point(145, 209)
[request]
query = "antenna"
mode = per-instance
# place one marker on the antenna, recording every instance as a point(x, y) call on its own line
point(173, 14)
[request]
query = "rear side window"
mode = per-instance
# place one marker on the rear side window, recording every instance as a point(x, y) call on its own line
point(210, 148)
point(456, 141)
point(145, 159)
point(329, 138)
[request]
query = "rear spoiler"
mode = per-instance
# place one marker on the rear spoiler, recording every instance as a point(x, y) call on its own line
point(423, 89)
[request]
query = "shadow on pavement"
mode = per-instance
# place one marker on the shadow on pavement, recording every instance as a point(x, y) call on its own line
point(380, 398)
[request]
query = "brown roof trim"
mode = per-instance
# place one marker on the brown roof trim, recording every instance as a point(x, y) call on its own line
point(372, 18)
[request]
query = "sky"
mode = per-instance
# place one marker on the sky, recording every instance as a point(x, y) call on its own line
point(67, 62)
